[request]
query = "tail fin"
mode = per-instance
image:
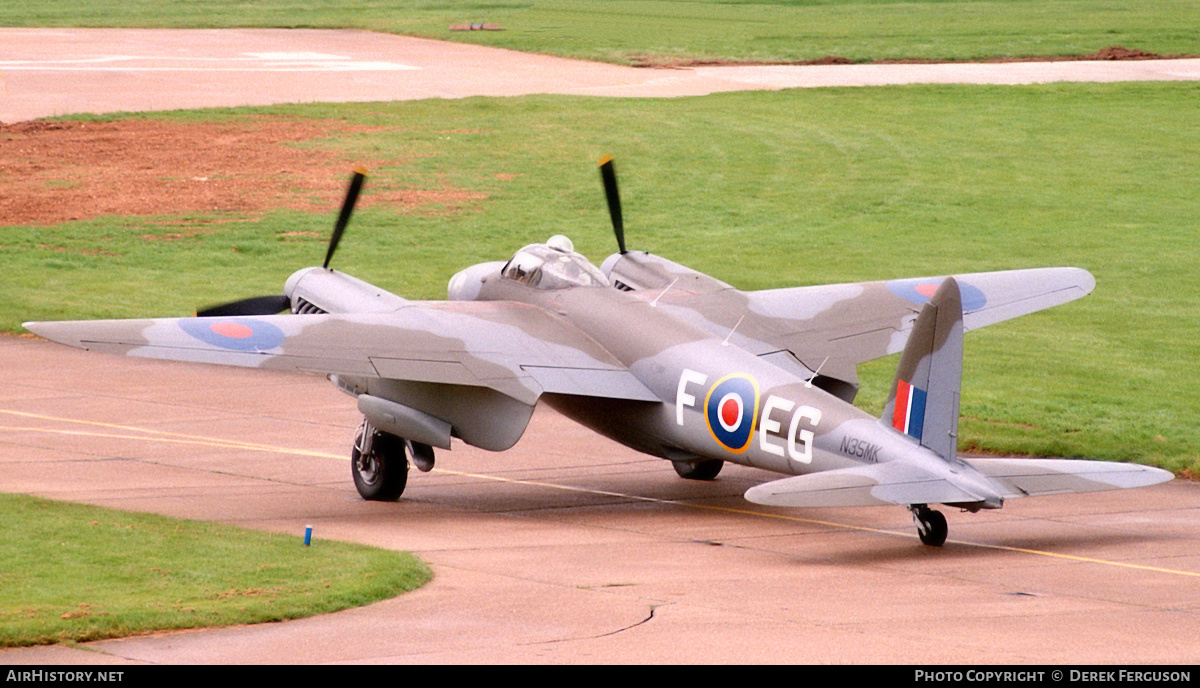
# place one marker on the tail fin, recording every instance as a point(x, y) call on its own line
point(924, 398)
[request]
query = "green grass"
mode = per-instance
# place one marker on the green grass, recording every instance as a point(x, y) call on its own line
point(629, 30)
point(767, 190)
point(76, 573)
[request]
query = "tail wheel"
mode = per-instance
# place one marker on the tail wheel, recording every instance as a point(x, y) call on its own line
point(698, 470)
point(931, 525)
point(379, 464)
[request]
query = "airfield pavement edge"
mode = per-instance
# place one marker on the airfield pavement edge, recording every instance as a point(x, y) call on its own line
point(48, 72)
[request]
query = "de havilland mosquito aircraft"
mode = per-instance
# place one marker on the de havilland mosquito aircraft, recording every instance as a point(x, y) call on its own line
point(661, 358)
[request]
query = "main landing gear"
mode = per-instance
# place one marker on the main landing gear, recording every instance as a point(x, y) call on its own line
point(379, 462)
point(931, 525)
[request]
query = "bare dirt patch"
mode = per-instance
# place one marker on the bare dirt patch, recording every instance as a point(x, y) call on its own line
point(60, 171)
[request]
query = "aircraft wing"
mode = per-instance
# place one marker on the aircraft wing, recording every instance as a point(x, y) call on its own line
point(842, 325)
point(514, 348)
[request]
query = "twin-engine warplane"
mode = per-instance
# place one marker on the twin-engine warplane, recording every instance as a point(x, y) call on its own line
point(661, 358)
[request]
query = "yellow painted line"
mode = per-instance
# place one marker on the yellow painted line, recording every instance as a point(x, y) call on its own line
point(1086, 560)
point(182, 438)
point(152, 435)
point(673, 502)
point(797, 519)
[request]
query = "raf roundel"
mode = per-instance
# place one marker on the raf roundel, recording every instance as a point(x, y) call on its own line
point(920, 291)
point(243, 334)
point(730, 408)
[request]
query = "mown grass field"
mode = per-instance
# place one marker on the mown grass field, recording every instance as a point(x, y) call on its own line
point(632, 31)
point(73, 573)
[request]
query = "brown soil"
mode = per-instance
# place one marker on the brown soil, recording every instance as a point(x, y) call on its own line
point(1115, 52)
point(59, 171)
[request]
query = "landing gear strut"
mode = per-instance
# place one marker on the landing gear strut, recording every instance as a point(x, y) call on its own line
point(379, 463)
point(931, 525)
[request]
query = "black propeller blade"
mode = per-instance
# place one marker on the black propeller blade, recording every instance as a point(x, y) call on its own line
point(258, 305)
point(339, 227)
point(270, 305)
point(609, 175)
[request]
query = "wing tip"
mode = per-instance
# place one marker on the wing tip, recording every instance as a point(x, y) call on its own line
point(55, 332)
point(37, 327)
point(1085, 280)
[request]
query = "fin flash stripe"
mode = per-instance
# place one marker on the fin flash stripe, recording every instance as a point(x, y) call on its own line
point(909, 417)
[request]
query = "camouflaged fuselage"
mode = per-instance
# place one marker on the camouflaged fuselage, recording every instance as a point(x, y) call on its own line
point(717, 400)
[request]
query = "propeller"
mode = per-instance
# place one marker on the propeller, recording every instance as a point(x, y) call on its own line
point(270, 305)
point(609, 175)
point(339, 227)
point(257, 305)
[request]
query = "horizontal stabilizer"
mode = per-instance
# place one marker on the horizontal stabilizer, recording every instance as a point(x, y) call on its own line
point(899, 482)
point(895, 482)
point(1033, 477)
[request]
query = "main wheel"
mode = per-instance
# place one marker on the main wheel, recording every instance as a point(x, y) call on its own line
point(931, 525)
point(379, 464)
point(698, 470)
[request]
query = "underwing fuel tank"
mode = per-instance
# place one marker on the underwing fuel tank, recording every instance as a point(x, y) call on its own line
point(321, 290)
point(403, 421)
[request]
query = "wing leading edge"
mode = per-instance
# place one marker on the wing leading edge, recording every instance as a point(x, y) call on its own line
point(515, 349)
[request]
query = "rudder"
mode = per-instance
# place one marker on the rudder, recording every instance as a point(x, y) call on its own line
point(925, 394)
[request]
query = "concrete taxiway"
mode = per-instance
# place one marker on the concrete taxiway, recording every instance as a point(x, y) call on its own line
point(48, 72)
point(569, 548)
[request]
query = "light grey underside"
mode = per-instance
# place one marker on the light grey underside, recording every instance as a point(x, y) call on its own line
point(903, 483)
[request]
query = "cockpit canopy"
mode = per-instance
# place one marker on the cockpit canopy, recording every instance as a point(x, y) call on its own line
point(553, 265)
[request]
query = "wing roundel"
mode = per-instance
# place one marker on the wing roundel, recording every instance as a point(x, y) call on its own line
point(518, 350)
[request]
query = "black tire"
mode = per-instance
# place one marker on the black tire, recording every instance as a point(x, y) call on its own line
point(381, 471)
point(698, 470)
point(931, 527)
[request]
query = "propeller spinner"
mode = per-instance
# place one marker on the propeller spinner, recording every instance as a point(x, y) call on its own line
point(272, 304)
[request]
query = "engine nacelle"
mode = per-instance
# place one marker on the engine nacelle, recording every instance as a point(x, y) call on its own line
point(466, 284)
point(403, 421)
point(637, 270)
point(320, 290)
